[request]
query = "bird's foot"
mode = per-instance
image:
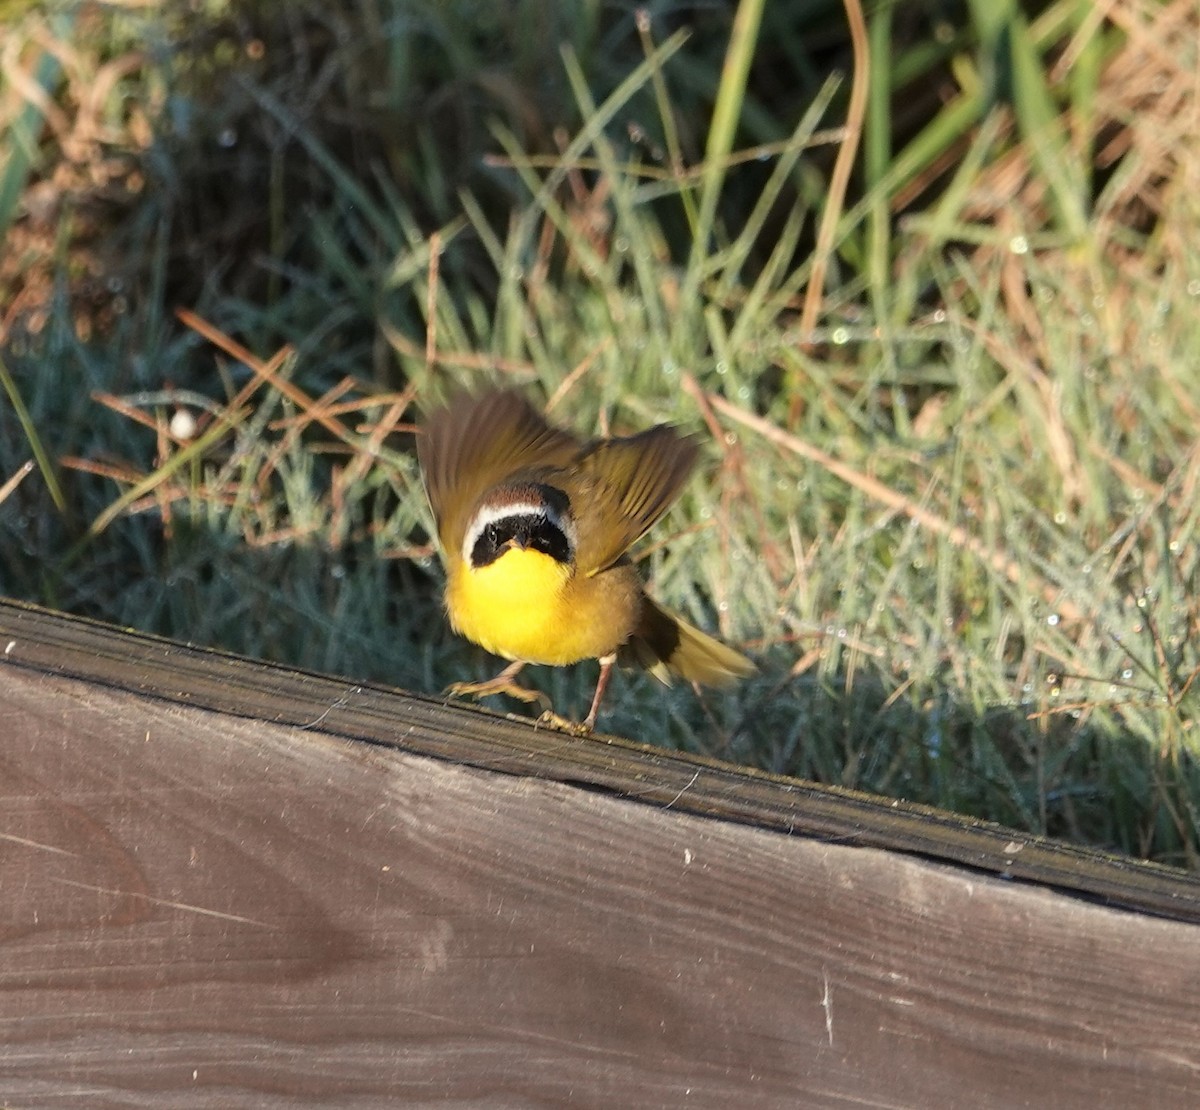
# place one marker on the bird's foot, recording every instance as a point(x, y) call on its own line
point(501, 684)
point(564, 724)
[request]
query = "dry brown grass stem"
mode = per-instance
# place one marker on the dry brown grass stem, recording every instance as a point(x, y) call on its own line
point(21, 473)
point(998, 561)
point(265, 373)
point(840, 178)
point(463, 360)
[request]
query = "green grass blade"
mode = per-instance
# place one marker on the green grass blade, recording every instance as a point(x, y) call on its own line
point(29, 427)
point(722, 129)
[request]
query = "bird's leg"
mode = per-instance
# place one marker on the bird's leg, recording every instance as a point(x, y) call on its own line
point(581, 728)
point(606, 666)
point(503, 683)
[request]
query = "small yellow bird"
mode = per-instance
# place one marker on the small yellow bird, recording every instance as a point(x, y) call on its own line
point(534, 527)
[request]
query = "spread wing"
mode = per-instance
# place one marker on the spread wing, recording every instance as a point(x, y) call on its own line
point(622, 486)
point(475, 443)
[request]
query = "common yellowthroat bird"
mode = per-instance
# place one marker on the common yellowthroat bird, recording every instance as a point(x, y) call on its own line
point(534, 527)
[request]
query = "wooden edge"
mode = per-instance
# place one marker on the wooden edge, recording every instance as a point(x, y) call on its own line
point(149, 666)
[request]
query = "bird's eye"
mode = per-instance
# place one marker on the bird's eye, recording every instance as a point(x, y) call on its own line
point(493, 535)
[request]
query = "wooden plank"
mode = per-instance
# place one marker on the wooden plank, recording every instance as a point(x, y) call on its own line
point(201, 908)
point(154, 667)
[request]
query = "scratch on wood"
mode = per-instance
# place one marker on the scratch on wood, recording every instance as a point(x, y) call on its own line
point(1173, 1058)
point(827, 1006)
point(341, 703)
point(163, 902)
point(687, 786)
point(35, 844)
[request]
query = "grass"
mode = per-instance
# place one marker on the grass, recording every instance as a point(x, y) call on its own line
point(949, 500)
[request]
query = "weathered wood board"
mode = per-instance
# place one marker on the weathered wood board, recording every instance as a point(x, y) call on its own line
point(203, 908)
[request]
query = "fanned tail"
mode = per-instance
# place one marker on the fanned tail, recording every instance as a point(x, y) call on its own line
point(666, 644)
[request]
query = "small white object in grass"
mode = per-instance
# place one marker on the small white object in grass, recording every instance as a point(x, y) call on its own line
point(183, 425)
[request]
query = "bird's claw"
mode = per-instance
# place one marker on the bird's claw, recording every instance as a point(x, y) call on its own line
point(564, 724)
point(498, 685)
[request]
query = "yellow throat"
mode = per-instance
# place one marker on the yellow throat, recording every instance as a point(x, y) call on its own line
point(514, 607)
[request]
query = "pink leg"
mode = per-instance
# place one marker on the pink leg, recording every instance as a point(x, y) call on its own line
point(606, 666)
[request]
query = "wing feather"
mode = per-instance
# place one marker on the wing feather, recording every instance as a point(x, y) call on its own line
point(626, 484)
point(475, 443)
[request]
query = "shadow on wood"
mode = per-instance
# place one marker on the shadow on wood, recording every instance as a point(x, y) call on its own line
point(216, 893)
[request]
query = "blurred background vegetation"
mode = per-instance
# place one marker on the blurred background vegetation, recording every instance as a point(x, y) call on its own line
point(924, 273)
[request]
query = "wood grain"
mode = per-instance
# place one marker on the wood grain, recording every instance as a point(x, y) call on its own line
point(158, 668)
point(202, 908)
